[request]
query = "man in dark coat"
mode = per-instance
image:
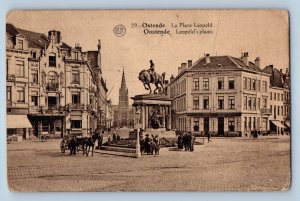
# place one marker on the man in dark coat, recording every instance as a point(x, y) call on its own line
point(208, 136)
point(180, 141)
point(73, 144)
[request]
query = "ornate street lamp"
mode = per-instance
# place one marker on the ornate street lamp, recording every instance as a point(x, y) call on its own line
point(138, 148)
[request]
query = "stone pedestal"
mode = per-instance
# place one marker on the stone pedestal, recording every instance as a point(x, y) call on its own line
point(153, 108)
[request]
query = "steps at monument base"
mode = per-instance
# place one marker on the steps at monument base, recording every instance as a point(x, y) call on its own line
point(118, 149)
point(116, 153)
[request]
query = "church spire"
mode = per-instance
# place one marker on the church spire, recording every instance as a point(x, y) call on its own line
point(123, 82)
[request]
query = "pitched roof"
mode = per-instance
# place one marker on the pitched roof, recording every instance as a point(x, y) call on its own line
point(35, 40)
point(276, 79)
point(11, 29)
point(226, 62)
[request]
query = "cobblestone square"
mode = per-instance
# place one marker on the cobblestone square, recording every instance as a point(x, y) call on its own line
point(226, 164)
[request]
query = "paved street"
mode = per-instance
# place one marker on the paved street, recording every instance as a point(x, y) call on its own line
point(231, 164)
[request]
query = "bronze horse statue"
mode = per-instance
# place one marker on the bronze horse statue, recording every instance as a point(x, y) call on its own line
point(146, 78)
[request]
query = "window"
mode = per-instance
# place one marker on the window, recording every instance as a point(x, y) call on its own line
point(20, 44)
point(231, 102)
point(205, 84)
point(196, 102)
point(21, 94)
point(231, 124)
point(8, 93)
point(245, 83)
point(75, 123)
point(52, 80)
point(265, 86)
point(34, 100)
point(258, 103)
point(271, 108)
point(250, 123)
point(270, 95)
point(275, 96)
point(278, 110)
point(265, 103)
point(76, 98)
point(253, 84)
point(281, 97)
point(75, 77)
point(254, 103)
point(231, 83)
point(52, 61)
point(221, 83)
point(281, 110)
point(206, 103)
point(254, 123)
point(258, 85)
point(34, 55)
point(245, 102)
point(278, 96)
point(196, 83)
point(221, 102)
point(34, 75)
point(250, 103)
point(249, 84)
point(20, 68)
point(196, 124)
point(245, 123)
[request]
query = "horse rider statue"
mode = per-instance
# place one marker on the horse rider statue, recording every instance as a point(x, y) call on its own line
point(152, 71)
point(150, 76)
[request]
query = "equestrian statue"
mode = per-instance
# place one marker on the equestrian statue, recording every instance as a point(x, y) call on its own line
point(149, 76)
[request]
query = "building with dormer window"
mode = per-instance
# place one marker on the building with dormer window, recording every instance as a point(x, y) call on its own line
point(52, 88)
point(223, 95)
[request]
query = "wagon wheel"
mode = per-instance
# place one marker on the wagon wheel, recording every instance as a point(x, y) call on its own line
point(62, 147)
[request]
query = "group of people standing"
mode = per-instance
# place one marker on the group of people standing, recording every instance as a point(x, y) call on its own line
point(186, 141)
point(150, 145)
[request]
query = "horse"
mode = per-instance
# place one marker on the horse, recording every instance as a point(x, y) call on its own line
point(145, 77)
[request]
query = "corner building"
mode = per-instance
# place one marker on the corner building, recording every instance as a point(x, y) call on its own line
point(223, 95)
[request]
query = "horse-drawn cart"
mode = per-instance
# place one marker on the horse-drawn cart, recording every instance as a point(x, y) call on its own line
point(81, 143)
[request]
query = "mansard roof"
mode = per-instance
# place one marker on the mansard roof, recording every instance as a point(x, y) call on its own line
point(223, 62)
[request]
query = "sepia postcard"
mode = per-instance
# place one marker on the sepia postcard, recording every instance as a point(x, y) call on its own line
point(148, 100)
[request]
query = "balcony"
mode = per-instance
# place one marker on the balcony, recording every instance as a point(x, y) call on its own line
point(76, 106)
point(52, 86)
point(265, 111)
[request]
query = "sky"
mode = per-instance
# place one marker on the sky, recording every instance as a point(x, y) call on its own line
point(263, 33)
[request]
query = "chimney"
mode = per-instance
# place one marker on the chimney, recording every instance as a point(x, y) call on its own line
point(207, 59)
point(183, 66)
point(257, 62)
point(190, 63)
point(179, 70)
point(245, 58)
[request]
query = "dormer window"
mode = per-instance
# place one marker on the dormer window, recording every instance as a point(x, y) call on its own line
point(20, 44)
point(52, 61)
point(34, 55)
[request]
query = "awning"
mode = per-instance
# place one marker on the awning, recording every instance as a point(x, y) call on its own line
point(277, 123)
point(17, 121)
point(287, 123)
point(76, 117)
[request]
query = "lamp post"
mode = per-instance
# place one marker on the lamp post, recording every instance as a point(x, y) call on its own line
point(137, 148)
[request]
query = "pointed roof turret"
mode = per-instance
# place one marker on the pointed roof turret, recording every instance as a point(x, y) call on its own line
point(123, 82)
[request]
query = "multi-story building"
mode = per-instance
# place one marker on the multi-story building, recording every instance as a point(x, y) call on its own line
point(223, 95)
point(279, 100)
point(56, 87)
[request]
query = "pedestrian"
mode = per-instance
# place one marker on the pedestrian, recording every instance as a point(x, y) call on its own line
point(73, 144)
point(208, 136)
point(114, 136)
point(180, 142)
point(193, 139)
point(100, 140)
point(255, 134)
